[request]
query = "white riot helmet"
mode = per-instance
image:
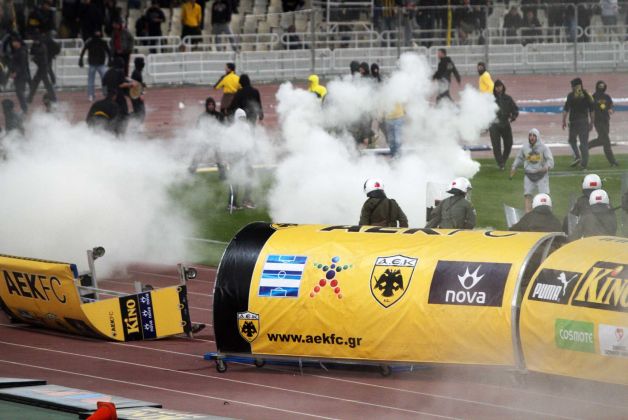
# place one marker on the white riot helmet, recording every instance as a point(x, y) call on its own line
point(541, 200)
point(461, 184)
point(599, 197)
point(373, 184)
point(592, 182)
point(239, 115)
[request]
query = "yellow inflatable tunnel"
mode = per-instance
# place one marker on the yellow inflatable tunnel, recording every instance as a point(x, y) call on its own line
point(374, 294)
point(574, 319)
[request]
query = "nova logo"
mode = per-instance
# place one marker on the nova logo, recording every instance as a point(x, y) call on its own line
point(554, 286)
point(604, 286)
point(468, 283)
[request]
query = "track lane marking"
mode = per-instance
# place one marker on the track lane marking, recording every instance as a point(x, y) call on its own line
point(276, 388)
point(163, 389)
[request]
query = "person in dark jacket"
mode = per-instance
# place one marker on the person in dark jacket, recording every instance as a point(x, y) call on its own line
point(121, 44)
point(105, 114)
point(581, 110)
point(98, 55)
point(91, 18)
point(540, 219)
point(210, 111)
point(591, 183)
point(500, 128)
point(248, 99)
point(600, 221)
point(154, 18)
point(116, 86)
point(39, 51)
point(354, 66)
point(375, 73)
point(602, 123)
point(19, 70)
point(12, 121)
point(139, 110)
point(446, 68)
point(454, 212)
point(379, 210)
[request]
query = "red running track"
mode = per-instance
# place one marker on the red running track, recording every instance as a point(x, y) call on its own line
point(172, 372)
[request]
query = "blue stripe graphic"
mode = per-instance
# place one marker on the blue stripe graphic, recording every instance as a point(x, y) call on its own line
point(286, 259)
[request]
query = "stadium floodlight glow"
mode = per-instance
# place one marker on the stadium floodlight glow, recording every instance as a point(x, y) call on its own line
point(97, 252)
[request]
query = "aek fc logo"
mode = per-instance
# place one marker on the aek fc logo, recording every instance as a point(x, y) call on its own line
point(248, 325)
point(391, 278)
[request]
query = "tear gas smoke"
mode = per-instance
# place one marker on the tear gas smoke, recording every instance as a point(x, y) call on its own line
point(67, 188)
point(320, 179)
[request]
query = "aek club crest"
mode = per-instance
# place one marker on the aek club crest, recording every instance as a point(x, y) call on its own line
point(248, 325)
point(391, 278)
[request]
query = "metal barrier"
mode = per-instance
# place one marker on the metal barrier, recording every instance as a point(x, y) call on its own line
point(282, 65)
point(331, 40)
point(157, 44)
point(244, 42)
point(191, 67)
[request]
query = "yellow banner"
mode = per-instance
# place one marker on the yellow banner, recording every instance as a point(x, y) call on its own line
point(385, 294)
point(574, 318)
point(43, 293)
point(144, 316)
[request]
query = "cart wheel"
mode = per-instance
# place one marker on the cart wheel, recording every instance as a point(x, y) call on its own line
point(221, 366)
point(385, 370)
point(259, 363)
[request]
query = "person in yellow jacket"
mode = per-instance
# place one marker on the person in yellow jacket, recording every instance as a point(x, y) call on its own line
point(191, 19)
point(316, 88)
point(230, 84)
point(485, 83)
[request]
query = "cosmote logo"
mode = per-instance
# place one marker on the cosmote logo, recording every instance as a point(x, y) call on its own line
point(330, 276)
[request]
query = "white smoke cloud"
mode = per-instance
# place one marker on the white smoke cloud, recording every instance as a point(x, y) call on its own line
point(66, 188)
point(320, 178)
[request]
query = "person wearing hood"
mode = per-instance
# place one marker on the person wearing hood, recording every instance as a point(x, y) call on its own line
point(455, 212)
point(581, 110)
point(12, 121)
point(249, 100)
point(602, 121)
point(97, 56)
point(540, 219)
point(375, 73)
point(500, 129)
point(210, 111)
point(116, 86)
point(446, 68)
point(315, 87)
point(537, 160)
point(354, 67)
point(105, 114)
point(379, 210)
point(485, 82)
point(363, 69)
point(601, 221)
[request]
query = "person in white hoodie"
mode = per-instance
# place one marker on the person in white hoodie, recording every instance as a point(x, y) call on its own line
point(537, 160)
